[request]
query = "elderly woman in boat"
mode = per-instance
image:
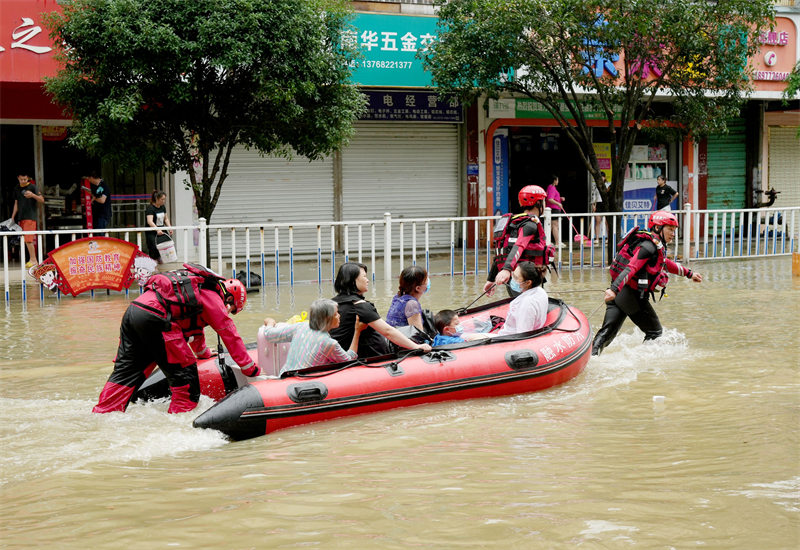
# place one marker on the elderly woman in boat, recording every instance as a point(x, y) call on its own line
point(312, 344)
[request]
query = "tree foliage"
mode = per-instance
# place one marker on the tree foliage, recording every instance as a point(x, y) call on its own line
point(185, 81)
point(684, 64)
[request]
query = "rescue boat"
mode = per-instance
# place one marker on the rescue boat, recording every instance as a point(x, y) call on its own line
point(499, 366)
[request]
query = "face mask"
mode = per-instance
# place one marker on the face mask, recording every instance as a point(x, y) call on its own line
point(427, 288)
point(459, 329)
point(514, 285)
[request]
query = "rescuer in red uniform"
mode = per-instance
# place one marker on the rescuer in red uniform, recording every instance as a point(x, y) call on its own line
point(637, 273)
point(165, 326)
point(519, 238)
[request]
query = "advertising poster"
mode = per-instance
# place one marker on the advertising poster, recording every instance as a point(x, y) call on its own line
point(90, 263)
point(500, 172)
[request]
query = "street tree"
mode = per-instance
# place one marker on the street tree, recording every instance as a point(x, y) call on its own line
point(184, 81)
point(673, 67)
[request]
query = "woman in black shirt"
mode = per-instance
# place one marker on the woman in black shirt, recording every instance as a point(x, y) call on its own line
point(156, 216)
point(350, 285)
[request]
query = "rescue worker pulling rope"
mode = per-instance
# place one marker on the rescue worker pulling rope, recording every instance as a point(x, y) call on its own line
point(519, 238)
point(165, 326)
point(637, 273)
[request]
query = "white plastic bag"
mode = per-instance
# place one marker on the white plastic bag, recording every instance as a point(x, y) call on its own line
point(9, 223)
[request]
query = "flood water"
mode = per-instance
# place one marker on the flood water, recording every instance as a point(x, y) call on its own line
point(594, 463)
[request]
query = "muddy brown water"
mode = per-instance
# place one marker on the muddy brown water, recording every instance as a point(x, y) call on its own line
point(594, 463)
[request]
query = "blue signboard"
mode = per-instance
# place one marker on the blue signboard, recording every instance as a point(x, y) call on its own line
point(500, 172)
point(389, 45)
point(411, 105)
point(637, 203)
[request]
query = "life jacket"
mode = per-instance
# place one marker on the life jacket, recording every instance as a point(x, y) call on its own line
point(178, 291)
point(506, 230)
point(655, 278)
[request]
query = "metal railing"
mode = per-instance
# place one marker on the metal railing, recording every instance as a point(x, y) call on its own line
point(312, 251)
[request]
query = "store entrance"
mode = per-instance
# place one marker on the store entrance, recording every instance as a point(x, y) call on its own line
point(536, 154)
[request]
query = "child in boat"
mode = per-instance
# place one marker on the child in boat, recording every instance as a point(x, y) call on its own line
point(450, 331)
point(528, 311)
point(312, 344)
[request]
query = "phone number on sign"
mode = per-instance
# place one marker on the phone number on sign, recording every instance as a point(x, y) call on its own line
point(383, 64)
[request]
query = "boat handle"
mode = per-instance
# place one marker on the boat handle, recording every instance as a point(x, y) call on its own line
point(309, 391)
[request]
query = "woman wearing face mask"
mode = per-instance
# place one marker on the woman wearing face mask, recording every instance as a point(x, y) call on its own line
point(528, 311)
point(405, 308)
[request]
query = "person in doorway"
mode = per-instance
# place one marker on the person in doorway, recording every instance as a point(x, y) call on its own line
point(312, 344)
point(637, 273)
point(597, 199)
point(351, 284)
point(556, 203)
point(164, 325)
point(26, 211)
point(101, 202)
point(664, 195)
point(155, 215)
point(405, 308)
point(528, 311)
point(519, 237)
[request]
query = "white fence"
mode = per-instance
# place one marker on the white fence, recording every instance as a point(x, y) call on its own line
point(387, 245)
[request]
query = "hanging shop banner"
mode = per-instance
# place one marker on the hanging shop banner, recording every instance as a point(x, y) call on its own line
point(603, 153)
point(93, 263)
point(500, 171)
point(389, 46)
point(412, 106)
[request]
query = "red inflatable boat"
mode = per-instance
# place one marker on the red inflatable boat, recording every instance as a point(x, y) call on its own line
point(507, 365)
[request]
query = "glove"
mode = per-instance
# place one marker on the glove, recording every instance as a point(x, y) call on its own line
point(251, 371)
point(205, 354)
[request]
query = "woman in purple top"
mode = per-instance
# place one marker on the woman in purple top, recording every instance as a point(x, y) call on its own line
point(555, 203)
point(405, 308)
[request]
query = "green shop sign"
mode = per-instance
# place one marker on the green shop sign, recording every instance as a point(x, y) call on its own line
point(389, 45)
point(530, 108)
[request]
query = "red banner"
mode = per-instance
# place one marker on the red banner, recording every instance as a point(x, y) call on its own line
point(94, 262)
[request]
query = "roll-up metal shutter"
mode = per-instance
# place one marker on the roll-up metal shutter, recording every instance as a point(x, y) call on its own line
point(408, 169)
point(784, 164)
point(264, 190)
point(727, 172)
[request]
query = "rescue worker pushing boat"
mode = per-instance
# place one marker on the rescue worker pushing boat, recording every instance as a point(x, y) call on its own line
point(519, 238)
point(165, 326)
point(637, 273)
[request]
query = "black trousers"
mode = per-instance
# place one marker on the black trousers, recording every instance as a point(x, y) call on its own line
point(628, 303)
point(141, 342)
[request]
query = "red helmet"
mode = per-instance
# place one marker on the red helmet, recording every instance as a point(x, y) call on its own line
point(530, 195)
point(233, 293)
point(660, 217)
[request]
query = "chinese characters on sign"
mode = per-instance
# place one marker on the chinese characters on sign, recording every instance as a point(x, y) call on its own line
point(411, 105)
point(387, 41)
point(389, 46)
point(93, 262)
point(23, 34)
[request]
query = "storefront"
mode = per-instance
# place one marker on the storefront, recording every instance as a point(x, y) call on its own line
point(34, 132)
point(528, 147)
point(780, 128)
point(404, 157)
